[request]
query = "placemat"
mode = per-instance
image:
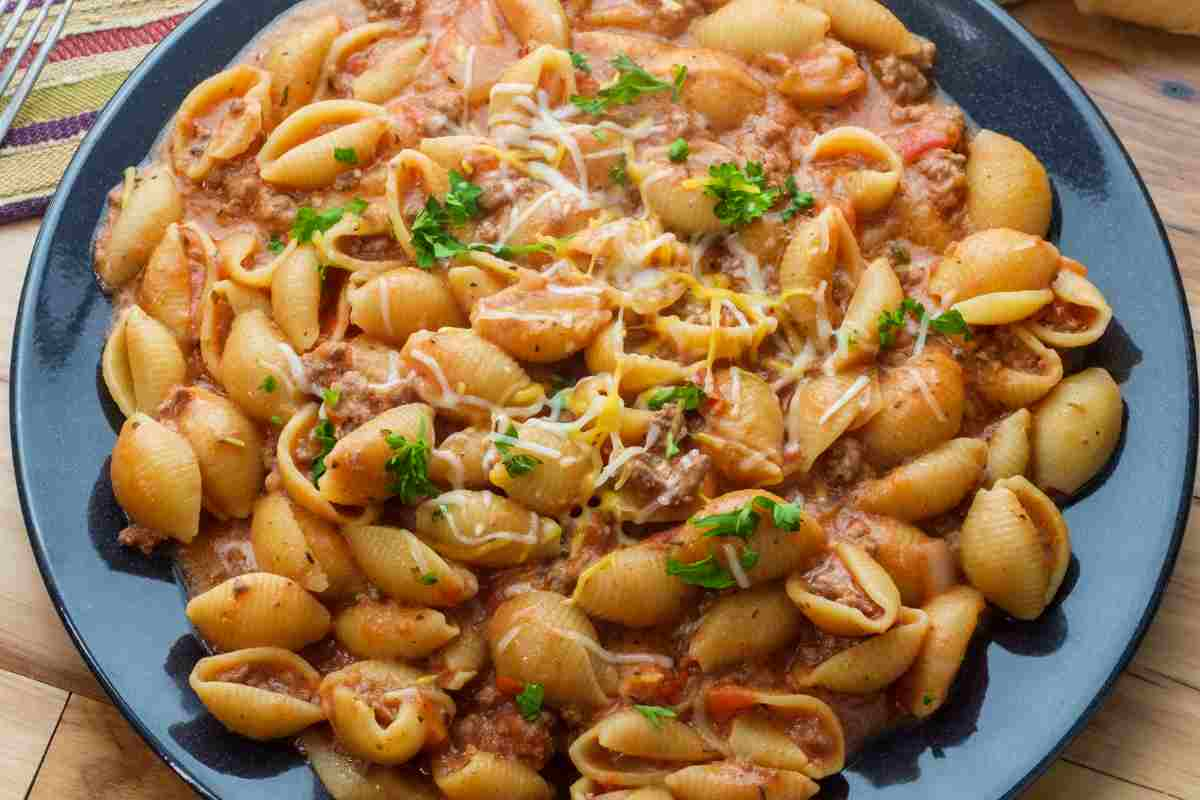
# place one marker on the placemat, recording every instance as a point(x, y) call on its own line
point(102, 43)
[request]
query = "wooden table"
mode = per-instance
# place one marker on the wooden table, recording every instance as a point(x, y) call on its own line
point(60, 739)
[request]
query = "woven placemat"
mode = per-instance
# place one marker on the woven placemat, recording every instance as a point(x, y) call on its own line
point(102, 43)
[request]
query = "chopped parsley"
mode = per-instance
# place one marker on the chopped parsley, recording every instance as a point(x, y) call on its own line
point(269, 384)
point(519, 464)
point(324, 434)
point(899, 253)
point(346, 155)
point(441, 511)
point(529, 701)
point(409, 466)
point(742, 195)
point(580, 62)
point(632, 83)
point(619, 174)
point(276, 420)
point(785, 516)
point(800, 201)
point(927, 700)
point(331, 397)
point(740, 523)
point(600, 135)
point(655, 714)
point(276, 245)
point(309, 221)
point(708, 573)
point(672, 446)
point(430, 239)
point(949, 323)
point(690, 396)
point(462, 202)
point(510, 251)
point(679, 151)
point(322, 271)
point(428, 579)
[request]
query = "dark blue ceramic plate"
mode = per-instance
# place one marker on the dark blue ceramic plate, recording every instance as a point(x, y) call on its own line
point(1024, 692)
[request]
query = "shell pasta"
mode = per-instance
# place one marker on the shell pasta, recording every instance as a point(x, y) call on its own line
point(667, 390)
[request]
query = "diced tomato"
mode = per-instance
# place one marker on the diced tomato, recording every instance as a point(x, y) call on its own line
point(509, 686)
point(916, 142)
point(725, 701)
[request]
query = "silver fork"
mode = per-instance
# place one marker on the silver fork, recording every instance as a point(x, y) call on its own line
point(27, 42)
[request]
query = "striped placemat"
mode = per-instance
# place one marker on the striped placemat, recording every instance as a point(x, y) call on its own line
point(104, 40)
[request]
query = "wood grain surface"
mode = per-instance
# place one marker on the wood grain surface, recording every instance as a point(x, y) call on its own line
point(60, 739)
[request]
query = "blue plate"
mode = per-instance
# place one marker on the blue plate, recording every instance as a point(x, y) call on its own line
point(1027, 688)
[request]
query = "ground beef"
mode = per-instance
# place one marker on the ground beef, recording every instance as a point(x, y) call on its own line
point(764, 139)
point(815, 646)
point(406, 11)
point(667, 420)
point(830, 579)
point(245, 194)
point(502, 730)
point(502, 187)
point(277, 680)
point(670, 483)
point(843, 463)
point(945, 175)
point(904, 77)
point(361, 400)
point(144, 539)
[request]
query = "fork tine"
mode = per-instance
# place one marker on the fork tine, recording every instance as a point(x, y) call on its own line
point(11, 27)
point(22, 50)
point(35, 67)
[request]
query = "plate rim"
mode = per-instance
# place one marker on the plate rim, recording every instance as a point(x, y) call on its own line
point(39, 264)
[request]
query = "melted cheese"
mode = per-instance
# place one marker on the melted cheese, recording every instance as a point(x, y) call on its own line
point(735, 567)
point(859, 384)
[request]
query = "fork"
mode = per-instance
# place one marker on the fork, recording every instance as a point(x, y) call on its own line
point(27, 42)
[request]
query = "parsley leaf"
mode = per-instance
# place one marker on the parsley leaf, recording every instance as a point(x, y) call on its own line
point(269, 384)
point(331, 397)
point(655, 714)
point(276, 420)
point(742, 196)
point(950, 323)
point(800, 201)
point(309, 221)
point(357, 206)
point(462, 202)
point(409, 466)
point(618, 174)
point(529, 701)
point(740, 523)
point(345, 155)
point(580, 62)
point(785, 516)
point(324, 435)
point(680, 73)
point(679, 151)
point(428, 579)
point(632, 83)
point(517, 465)
point(276, 245)
point(430, 239)
point(672, 446)
point(600, 135)
point(889, 323)
point(708, 573)
point(690, 396)
point(510, 251)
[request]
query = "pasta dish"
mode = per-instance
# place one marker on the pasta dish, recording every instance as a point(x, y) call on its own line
point(657, 393)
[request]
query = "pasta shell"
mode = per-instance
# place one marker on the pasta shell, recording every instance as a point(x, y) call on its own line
point(471, 284)
point(259, 370)
point(150, 205)
point(485, 529)
point(819, 247)
point(928, 485)
point(166, 291)
point(870, 190)
point(299, 485)
point(922, 403)
point(1014, 385)
point(291, 541)
point(1015, 547)
point(537, 637)
point(1003, 308)
point(627, 749)
point(460, 460)
point(258, 610)
point(606, 588)
point(668, 191)
point(346, 244)
point(953, 617)
point(296, 297)
point(873, 664)
point(565, 478)
point(349, 778)
point(537, 21)
point(1076, 429)
point(156, 478)
point(261, 692)
point(461, 660)
point(730, 780)
point(156, 363)
point(412, 170)
point(484, 776)
point(194, 151)
point(848, 571)
point(228, 447)
point(999, 260)
point(383, 629)
point(878, 292)
point(637, 371)
point(299, 154)
point(380, 712)
point(397, 304)
point(357, 468)
point(921, 566)
point(398, 563)
point(294, 63)
point(217, 311)
point(780, 551)
point(1007, 187)
point(745, 626)
point(744, 433)
point(1079, 315)
point(750, 27)
point(790, 732)
point(1009, 446)
point(718, 85)
point(467, 376)
point(397, 67)
point(824, 408)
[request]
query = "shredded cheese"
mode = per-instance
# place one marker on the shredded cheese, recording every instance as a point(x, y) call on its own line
point(859, 384)
point(593, 647)
point(735, 567)
point(922, 332)
point(528, 446)
point(615, 463)
point(927, 394)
